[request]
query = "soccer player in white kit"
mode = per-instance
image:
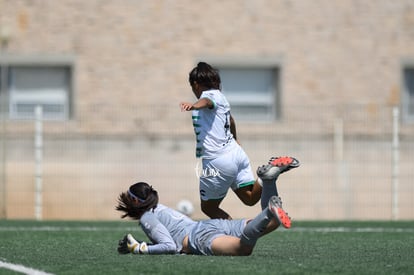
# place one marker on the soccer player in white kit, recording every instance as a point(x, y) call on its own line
point(224, 163)
point(171, 232)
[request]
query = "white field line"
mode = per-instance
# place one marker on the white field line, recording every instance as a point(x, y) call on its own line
point(22, 269)
point(65, 228)
point(130, 228)
point(353, 229)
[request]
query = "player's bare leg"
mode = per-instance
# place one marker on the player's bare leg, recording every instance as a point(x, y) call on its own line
point(230, 246)
point(251, 194)
point(211, 209)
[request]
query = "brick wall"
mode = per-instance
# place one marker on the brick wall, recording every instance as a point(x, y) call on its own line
point(139, 53)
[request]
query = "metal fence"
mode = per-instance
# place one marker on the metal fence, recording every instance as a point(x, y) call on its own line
point(352, 167)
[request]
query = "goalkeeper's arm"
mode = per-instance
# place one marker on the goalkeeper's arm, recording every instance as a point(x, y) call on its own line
point(129, 245)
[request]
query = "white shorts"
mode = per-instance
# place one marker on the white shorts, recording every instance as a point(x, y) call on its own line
point(229, 170)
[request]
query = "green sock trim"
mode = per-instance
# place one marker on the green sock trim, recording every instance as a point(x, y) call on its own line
point(247, 183)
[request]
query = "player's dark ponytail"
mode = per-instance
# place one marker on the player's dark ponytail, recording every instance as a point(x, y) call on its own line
point(144, 193)
point(205, 75)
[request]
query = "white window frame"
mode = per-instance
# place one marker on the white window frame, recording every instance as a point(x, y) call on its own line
point(56, 98)
point(270, 101)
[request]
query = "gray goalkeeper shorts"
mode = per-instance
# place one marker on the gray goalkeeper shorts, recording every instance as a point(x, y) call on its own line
point(203, 234)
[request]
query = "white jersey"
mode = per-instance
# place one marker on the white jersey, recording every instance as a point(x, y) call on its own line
point(212, 126)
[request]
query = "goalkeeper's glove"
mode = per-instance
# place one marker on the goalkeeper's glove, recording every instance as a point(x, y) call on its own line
point(129, 245)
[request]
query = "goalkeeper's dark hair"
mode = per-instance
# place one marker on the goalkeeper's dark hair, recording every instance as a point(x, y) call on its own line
point(205, 75)
point(144, 193)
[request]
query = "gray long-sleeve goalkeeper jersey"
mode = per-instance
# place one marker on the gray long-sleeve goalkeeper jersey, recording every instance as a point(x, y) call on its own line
point(166, 228)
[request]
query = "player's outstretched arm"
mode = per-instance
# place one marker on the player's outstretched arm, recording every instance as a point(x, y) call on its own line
point(200, 104)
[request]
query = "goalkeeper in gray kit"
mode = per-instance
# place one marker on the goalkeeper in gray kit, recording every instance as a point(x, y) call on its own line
point(171, 232)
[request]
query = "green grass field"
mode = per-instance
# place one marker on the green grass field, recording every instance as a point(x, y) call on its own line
point(307, 248)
